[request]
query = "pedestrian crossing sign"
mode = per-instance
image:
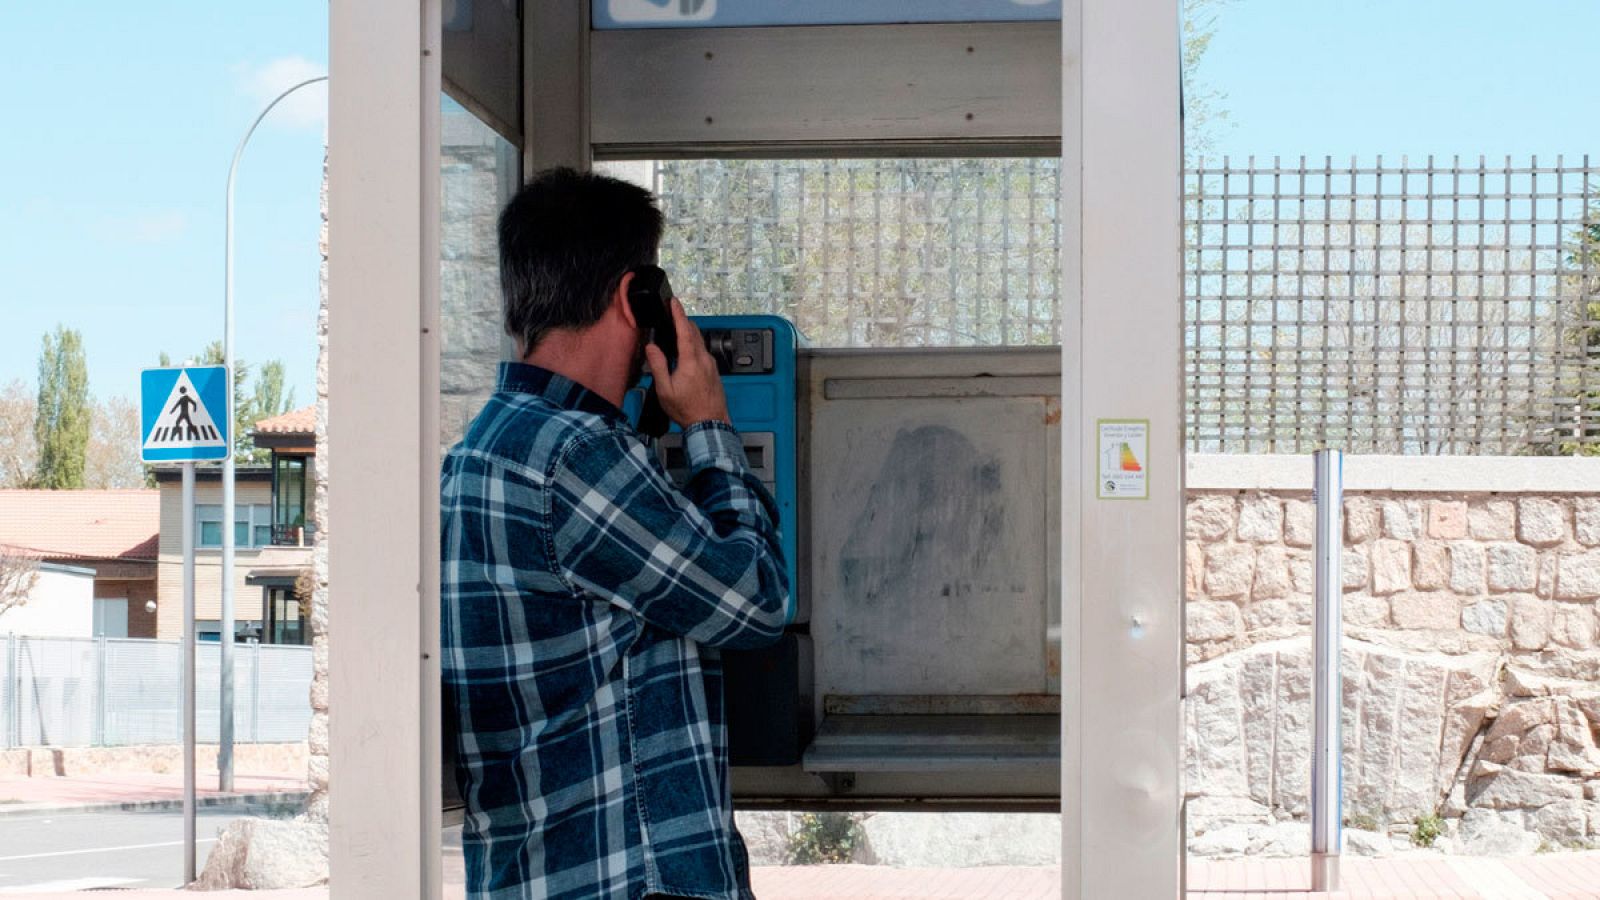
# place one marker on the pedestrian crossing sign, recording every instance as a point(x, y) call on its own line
point(183, 414)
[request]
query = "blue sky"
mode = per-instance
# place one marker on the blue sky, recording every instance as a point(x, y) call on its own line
point(1406, 77)
point(119, 123)
point(120, 118)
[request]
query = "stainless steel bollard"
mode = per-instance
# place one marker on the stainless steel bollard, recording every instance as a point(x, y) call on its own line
point(1327, 771)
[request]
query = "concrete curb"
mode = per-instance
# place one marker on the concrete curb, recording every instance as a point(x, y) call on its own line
point(272, 800)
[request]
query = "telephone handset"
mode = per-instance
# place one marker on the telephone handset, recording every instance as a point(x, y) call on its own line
point(650, 297)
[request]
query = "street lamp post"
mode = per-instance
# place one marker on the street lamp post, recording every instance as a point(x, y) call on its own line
point(225, 711)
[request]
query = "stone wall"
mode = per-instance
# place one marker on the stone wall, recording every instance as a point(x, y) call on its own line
point(1470, 666)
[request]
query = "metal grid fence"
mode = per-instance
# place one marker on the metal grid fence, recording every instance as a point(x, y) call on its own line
point(1403, 309)
point(110, 692)
point(869, 252)
point(1434, 309)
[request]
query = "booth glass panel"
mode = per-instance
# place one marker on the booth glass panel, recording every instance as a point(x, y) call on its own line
point(887, 252)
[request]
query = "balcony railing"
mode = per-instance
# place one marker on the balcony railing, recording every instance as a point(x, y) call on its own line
point(291, 536)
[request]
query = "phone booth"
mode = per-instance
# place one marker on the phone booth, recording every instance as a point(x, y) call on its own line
point(974, 627)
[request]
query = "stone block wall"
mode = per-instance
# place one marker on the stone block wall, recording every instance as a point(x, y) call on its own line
point(1471, 664)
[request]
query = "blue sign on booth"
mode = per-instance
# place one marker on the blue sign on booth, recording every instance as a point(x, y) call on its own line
point(183, 414)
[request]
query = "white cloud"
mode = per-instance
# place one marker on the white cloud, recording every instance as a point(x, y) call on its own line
point(143, 228)
point(306, 108)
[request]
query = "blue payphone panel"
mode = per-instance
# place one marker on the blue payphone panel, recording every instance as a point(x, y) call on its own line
point(756, 356)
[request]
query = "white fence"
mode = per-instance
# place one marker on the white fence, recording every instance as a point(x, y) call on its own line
point(111, 692)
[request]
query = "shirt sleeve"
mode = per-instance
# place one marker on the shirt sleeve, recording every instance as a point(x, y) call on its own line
point(705, 564)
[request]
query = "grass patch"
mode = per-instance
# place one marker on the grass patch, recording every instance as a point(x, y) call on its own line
point(822, 838)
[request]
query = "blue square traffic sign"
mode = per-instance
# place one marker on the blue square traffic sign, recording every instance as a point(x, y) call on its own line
point(183, 414)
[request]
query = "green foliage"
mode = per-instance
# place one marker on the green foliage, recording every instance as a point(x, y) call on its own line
point(61, 416)
point(1362, 821)
point(1427, 829)
point(824, 838)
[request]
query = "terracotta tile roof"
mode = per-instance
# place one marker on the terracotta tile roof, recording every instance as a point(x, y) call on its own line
point(300, 421)
point(122, 524)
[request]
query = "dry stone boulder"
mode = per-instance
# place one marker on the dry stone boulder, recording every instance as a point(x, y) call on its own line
point(1261, 520)
point(1488, 832)
point(960, 840)
point(267, 854)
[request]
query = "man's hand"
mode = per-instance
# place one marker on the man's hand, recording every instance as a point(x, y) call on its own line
point(692, 393)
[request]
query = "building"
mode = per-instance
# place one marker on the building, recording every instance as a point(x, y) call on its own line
point(98, 561)
point(272, 539)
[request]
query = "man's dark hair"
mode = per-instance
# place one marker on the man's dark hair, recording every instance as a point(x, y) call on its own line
point(566, 240)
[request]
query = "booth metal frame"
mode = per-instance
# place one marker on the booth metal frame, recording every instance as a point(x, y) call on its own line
point(1101, 88)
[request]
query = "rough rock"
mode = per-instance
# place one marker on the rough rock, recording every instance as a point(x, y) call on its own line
point(1272, 574)
point(1430, 567)
point(960, 840)
point(1230, 570)
point(1530, 622)
point(267, 854)
point(1578, 576)
point(1211, 621)
point(1488, 617)
point(766, 835)
point(1447, 519)
point(1512, 567)
point(1299, 523)
point(1492, 520)
point(1488, 832)
point(1573, 625)
point(1261, 520)
point(1586, 520)
point(1402, 519)
point(1541, 522)
point(1366, 843)
point(1353, 569)
point(1466, 568)
point(1360, 520)
point(1435, 610)
point(1209, 517)
point(1391, 567)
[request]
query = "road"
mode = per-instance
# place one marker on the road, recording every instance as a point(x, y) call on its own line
point(80, 851)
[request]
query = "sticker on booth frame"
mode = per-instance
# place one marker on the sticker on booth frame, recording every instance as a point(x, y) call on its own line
point(1124, 459)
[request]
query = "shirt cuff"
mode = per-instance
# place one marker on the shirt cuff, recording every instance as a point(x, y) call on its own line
point(713, 444)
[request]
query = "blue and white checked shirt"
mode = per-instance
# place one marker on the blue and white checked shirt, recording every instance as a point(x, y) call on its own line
point(583, 601)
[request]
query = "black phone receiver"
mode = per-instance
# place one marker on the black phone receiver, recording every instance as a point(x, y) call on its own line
point(650, 296)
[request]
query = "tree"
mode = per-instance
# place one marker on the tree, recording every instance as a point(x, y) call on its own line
point(61, 419)
point(1202, 110)
point(18, 573)
point(111, 459)
point(19, 454)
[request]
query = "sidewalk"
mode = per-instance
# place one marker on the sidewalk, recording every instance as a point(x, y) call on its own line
point(86, 793)
point(1543, 877)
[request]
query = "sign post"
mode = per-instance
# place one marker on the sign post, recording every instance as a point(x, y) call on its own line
point(177, 425)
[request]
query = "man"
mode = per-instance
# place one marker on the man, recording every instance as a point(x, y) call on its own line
point(584, 599)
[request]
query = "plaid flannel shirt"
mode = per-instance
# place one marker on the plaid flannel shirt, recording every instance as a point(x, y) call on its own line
point(583, 602)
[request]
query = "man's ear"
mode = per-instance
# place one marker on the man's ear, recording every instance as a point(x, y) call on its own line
point(620, 300)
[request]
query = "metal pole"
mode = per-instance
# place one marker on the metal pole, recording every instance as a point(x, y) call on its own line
point(1327, 775)
point(188, 674)
point(100, 691)
point(12, 689)
point(225, 712)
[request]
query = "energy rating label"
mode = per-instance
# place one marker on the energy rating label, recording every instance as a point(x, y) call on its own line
point(1124, 459)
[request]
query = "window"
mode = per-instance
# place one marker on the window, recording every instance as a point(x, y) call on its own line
point(285, 624)
point(252, 525)
point(289, 491)
point(867, 252)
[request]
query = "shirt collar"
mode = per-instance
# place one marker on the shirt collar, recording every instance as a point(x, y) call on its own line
point(560, 390)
